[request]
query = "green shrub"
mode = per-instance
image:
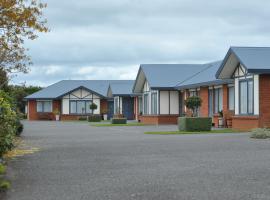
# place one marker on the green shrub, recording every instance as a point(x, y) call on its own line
point(83, 118)
point(194, 123)
point(4, 185)
point(260, 133)
point(193, 103)
point(94, 118)
point(119, 120)
point(8, 126)
point(2, 169)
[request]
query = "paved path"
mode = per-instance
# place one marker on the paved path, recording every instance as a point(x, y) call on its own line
point(77, 161)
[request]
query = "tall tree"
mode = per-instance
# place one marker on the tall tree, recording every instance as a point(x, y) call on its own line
point(19, 20)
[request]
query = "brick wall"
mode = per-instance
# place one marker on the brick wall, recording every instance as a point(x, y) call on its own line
point(158, 119)
point(103, 106)
point(264, 101)
point(34, 115)
point(205, 102)
point(245, 122)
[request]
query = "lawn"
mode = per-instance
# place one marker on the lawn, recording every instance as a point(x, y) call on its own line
point(109, 124)
point(189, 132)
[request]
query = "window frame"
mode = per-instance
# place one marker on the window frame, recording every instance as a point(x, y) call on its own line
point(231, 87)
point(76, 101)
point(220, 100)
point(42, 106)
point(146, 108)
point(246, 80)
point(154, 105)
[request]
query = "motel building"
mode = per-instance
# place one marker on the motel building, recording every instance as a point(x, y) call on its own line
point(238, 86)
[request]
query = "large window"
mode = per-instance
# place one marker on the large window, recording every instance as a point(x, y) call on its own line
point(44, 106)
point(246, 97)
point(231, 98)
point(116, 105)
point(218, 100)
point(140, 105)
point(145, 104)
point(210, 102)
point(80, 107)
point(154, 103)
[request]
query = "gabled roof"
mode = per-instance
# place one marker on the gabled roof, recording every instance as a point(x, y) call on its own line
point(164, 76)
point(121, 88)
point(63, 87)
point(205, 77)
point(255, 59)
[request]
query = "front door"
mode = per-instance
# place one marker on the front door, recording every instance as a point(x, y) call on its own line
point(128, 107)
point(110, 109)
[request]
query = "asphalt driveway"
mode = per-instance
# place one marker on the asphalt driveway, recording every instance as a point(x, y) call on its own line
point(80, 162)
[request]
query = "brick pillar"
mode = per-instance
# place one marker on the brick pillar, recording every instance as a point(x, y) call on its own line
point(32, 110)
point(264, 99)
point(204, 96)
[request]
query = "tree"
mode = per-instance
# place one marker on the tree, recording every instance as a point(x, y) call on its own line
point(193, 103)
point(19, 20)
point(93, 107)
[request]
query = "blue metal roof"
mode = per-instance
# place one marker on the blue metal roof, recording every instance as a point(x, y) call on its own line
point(205, 77)
point(168, 75)
point(254, 59)
point(63, 87)
point(122, 88)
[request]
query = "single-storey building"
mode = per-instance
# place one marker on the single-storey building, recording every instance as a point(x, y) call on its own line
point(250, 69)
point(160, 102)
point(217, 95)
point(71, 98)
point(121, 94)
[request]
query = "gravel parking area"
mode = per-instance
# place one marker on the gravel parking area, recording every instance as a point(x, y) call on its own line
point(80, 162)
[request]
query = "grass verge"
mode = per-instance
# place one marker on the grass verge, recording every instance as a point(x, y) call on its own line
point(109, 124)
point(189, 132)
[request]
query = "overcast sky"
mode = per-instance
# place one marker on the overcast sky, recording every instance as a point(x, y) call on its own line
point(109, 39)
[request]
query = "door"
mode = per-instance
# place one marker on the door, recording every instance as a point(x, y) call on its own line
point(110, 109)
point(128, 107)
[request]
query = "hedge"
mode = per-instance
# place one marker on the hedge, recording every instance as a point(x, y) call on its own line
point(94, 118)
point(119, 120)
point(194, 123)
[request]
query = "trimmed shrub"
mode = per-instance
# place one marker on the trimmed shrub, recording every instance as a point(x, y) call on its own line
point(194, 123)
point(119, 120)
point(94, 118)
point(82, 118)
point(260, 133)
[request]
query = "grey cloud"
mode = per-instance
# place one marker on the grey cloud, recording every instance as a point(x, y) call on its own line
point(123, 33)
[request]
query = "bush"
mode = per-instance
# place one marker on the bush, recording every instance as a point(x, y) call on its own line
point(119, 120)
point(2, 169)
point(8, 123)
point(260, 133)
point(4, 185)
point(83, 118)
point(193, 103)
point(194, 123)
point(94, 118)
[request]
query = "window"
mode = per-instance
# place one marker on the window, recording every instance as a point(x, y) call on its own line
point(154, 103)
point(218, 100)
point(44, 106)
point(145, 104)
point(231, 98)
point(210, 102)
point(80, 107)
point(193, 93)
point(246, 97)
point(140, 105)
point(116, 105)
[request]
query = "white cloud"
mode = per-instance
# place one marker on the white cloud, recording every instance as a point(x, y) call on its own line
point(102, 39)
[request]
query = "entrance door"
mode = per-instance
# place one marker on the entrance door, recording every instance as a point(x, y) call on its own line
point(110, 109)
point(128, 107)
